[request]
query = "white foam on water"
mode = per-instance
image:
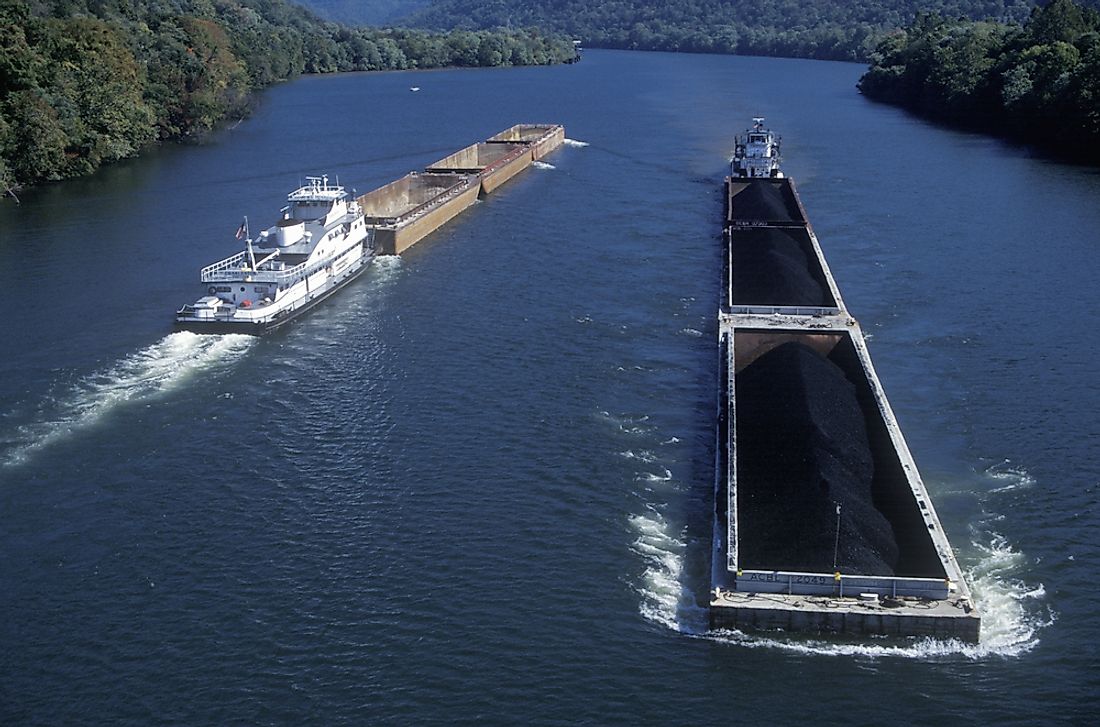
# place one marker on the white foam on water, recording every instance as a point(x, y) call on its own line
point(542, 165)
point(1013, 611)
point(575, 143)
point(665, 476)
point(1010, 609)
point(691, 332)
point(643, 455)
point(153, 370)
point(628, 424)
point(1009, 477)
point(662, 554)
point(659, 543)
point(386, 266)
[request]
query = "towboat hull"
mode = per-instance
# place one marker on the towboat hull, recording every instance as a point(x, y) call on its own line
point(278, 318)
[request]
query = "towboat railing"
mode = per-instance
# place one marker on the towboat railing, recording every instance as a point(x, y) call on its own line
point(781, 310)
point(232, 274)
point(236, 268)
point(837, 584)
point(235, 262)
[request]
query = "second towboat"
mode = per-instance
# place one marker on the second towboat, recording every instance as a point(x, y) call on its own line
point(325, 238)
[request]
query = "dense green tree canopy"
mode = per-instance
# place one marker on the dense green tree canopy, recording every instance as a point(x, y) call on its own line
point(832, 29)
point(87, 82)
point(1039, 82)
point(365, 12)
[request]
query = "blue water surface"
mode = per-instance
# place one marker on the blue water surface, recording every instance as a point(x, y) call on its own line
point(475, 487)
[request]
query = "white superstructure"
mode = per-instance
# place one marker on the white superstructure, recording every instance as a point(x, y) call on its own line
point(321, 242)
point(756, 152)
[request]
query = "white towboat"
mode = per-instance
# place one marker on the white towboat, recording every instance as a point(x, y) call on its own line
point(321, 243)
point(756, 152)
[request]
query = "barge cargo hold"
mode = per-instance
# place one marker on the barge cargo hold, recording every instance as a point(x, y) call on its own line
point(542, 138)
point(822, 522)
point(777, 270)
point(405, 211)
point(925, 595)
point(495, 164)
point(759, 202)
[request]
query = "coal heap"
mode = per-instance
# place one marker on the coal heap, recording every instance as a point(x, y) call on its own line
point(802, 448)
point(771, 268)
point(761, 201)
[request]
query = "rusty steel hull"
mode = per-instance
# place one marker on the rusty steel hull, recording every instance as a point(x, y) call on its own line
point(409, 209)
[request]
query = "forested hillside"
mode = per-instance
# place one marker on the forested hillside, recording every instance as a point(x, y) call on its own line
point(832, 29)
point(1039, 82)
point(87, 82)
point(365, 12)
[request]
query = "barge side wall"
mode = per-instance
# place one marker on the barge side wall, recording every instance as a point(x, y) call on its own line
point(543, 138)
point(762, 616)
point(396, 239)
point(500, 173)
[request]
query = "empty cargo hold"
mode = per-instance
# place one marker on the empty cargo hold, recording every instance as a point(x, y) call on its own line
point(404, 211)
point(493, 163)
point(542, 138)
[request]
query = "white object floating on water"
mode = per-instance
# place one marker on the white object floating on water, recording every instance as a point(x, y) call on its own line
point(414, 89)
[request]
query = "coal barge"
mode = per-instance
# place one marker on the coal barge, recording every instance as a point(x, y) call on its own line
point(822, 522)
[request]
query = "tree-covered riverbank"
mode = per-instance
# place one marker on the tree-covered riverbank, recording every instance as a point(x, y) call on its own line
point(1038, 82)
point(823, 29)
point(87, 82)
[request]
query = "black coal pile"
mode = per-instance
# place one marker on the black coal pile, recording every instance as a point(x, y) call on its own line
point(771, 268)
point(802, 449)
point(761, 201)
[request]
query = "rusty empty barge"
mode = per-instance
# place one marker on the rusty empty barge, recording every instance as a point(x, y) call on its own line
point(822, 522)
point(407, 210)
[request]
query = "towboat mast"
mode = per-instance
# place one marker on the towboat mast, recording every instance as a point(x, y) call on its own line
point(248, 244)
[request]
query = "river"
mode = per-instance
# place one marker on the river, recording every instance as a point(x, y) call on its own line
point(475, 486)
